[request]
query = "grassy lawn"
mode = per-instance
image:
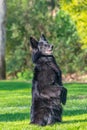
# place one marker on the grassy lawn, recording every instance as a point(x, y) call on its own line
point(15, 101)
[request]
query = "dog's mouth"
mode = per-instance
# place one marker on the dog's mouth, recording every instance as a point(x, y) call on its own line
point(49, 51)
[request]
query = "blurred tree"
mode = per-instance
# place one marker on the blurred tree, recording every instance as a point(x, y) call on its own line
point(24, 21)
point(78, 11)
point(2, 38)
point(31, 17)
point(65, 38)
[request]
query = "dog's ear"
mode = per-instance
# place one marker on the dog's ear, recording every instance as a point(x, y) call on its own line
point(33, 43)
point(43, 37)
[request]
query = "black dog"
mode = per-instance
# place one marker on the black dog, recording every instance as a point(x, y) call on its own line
point(48, 93)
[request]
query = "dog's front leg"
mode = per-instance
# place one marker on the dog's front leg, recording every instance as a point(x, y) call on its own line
point(35, 91)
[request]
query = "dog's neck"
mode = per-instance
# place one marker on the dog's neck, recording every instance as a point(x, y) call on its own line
point(39, 57)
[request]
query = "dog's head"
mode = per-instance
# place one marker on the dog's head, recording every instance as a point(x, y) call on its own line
point(42, 45)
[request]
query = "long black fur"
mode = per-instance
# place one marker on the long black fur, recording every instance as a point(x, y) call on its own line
point(48, 93)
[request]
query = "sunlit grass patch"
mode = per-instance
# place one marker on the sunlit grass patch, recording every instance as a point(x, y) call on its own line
point(15, 103)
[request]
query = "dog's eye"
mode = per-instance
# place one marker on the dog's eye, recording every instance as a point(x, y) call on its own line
point(45, 45)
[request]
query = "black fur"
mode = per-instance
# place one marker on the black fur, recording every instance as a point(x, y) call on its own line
point(48, 93)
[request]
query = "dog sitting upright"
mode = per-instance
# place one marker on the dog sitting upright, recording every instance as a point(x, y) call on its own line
point(48, 93)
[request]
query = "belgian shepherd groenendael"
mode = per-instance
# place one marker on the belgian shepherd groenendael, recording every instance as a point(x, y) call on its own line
point(48, 93)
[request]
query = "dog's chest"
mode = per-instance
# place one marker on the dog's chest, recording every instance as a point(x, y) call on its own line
point(44, 73)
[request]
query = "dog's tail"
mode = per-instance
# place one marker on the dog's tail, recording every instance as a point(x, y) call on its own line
point(63, 95)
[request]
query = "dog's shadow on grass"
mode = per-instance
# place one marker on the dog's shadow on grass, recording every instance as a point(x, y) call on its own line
point(74, 113)
point(74, 121)
point(23, 116)
point(10, 117)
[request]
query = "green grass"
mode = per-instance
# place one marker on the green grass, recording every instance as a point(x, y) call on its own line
point(15, 102)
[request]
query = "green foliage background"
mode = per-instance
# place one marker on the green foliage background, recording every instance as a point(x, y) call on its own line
point(59, 21)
